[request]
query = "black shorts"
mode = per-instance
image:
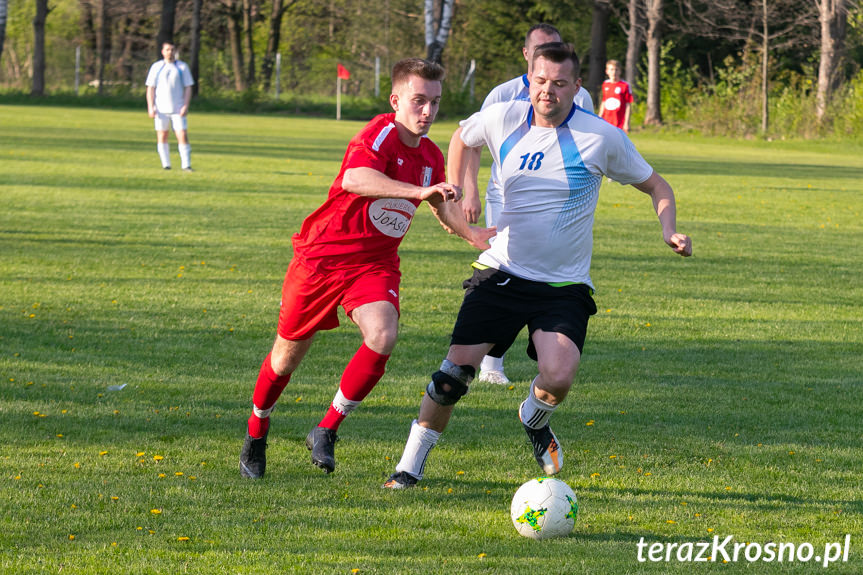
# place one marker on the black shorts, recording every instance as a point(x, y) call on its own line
point(497, 305)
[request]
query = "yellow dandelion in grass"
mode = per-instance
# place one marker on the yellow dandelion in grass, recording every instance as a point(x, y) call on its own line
point(355, 571)
point(589, 423)
point(71, 537)
point(612, 457)
point(73, 506)
point(158, 458)
point(151, 532)
point(77, 465)
point(710, 529)
point(449, 490)
point(594, 474)
point(459, 473)
point(182, 538)
point(179, 473)
point(192, 478)
point(161, 476)
point(114, 498)
point(139, 528)
point(648, 473)
point(140, 454)
point(671, 522)
point(60, 435)
point(37, 414)
point(299, 399)
point(482, 555)
point(156, 511)
point(103, 453)
point(17, 477)
point(113, 543)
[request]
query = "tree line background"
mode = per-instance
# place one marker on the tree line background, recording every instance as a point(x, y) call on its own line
point(773, 68)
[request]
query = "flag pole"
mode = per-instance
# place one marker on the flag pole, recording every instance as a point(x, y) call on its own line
point(338, 97)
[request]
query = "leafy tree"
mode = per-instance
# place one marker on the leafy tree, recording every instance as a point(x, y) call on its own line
point(833, 19)
point(4, 11)
point(655, 16)
point(437, 28)
point(42, 11)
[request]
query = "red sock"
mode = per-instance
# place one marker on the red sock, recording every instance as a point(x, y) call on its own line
point(267, 390)
point(360, 376)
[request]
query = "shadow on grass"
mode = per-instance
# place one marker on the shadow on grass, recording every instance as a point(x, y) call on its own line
point(812, 173)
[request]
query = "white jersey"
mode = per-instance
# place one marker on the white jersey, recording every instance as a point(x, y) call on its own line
point(170, 80)
point(516, 89)
point(550, 179)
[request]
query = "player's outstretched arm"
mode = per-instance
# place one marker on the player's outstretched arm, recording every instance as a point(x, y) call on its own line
point(470, 204)
point(663, 202)
point(372, 183)
point(451, 217)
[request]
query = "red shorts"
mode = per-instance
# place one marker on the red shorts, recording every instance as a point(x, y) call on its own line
point(310, 298)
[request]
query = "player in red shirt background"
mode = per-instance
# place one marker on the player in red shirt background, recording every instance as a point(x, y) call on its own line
point(616, 98)
point(346, 254)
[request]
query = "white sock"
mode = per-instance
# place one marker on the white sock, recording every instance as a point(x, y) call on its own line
point(164, 154)
point(534, 412)
point(344, 405)
point(185, 155)
point(491, 363)
point(420, 442)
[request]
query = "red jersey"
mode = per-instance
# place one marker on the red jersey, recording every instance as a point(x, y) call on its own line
point(615, 96)
point(350, 230)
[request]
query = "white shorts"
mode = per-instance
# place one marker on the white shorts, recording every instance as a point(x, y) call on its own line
point(165, 121)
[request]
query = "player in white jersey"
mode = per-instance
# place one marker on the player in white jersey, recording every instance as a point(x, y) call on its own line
point(491, 368)
point(537, 271)
point(169, 92)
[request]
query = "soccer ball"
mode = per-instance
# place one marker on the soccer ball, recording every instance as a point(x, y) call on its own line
point(544, 508)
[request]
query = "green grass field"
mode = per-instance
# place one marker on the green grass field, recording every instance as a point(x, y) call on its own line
point(718, 395)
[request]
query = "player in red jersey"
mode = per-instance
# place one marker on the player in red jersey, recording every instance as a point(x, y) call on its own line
point(346, 254)
point(616, 98)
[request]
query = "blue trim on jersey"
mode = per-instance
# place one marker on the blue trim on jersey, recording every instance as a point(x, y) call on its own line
point(582, 184)
point(524, 94)
point(516, 136)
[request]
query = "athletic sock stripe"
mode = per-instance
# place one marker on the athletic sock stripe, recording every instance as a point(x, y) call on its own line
point(537, 417)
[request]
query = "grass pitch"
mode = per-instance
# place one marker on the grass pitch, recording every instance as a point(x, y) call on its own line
point(718, 396)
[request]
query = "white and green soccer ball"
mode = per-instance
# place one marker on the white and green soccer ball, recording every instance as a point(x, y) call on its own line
point(544, 508)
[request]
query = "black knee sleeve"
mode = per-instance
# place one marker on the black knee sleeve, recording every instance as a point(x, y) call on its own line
point(450, 383)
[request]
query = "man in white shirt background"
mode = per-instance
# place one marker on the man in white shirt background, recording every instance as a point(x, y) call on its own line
point(169, 92)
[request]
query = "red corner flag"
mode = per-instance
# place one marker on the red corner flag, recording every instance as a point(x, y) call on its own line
point(342, 72)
